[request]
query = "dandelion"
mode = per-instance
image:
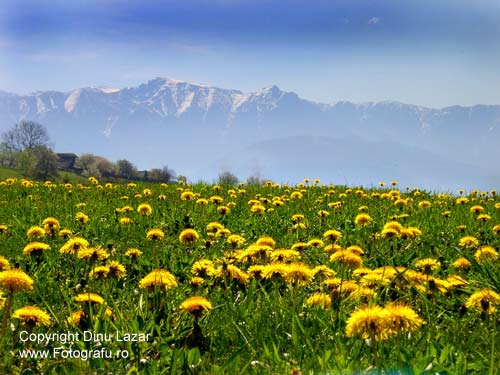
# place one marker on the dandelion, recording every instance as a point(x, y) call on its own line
point(428, 265)
point(469, 242)
point(232, 272)
point(15, 280)
point(145, 209)
point(81, 217)
point(322, 300)
point(284, 255)
point(155, 234)
point(187, 196)
point(32, 316)
point(99, 272)
point(125, 221)
point(369, 322)
point(158, 278)
point(483, 217)
point(235, 240)
point(35, 248)
point(402, 318)
point(202, 202)
point(332, 235)
point(362, 220)
point(484, 300)
point(348, 258)
point(214, 226)
point(74, 245)
point(462, 264)
point(476, 209)
point(117, 269)
point(298, 273)
point(486, 254)
point(266, 241)
point(322, 214)
point(3, 228)
point(424, 204)
point(133, 253)
point(496, 229)
point(4, 264)
point(316, 242)
point(35, 232)
point(195, 305)
point(89, 298)
point(50, 225)
point(296, 195)
point(93, 254)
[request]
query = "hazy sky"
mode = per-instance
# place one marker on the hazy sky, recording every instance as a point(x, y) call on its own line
point(433, 53)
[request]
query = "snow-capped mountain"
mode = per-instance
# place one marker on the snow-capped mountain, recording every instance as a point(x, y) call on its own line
point(196, 128)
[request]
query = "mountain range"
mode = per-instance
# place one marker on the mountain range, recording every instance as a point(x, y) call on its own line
point(201, 131)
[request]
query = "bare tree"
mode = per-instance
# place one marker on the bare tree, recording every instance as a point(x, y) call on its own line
point(126, 169)
point(228, 178)
point(25, 135)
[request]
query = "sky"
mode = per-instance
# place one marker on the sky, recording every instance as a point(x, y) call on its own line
point(431, 53)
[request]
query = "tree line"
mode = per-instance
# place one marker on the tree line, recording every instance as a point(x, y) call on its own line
point(27, 147)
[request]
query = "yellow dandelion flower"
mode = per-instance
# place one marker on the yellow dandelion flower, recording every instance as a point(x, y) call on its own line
point(486, 254)
point(427, 265)
point(188, 236)
point(332, 248)
point(35, 248)
point(296, 195)
point(74, 245)
point(323, 271)
point(402, 318)
point(232, 272)
point(483, 217)
point(332, 235)
point(355, 249)
point(476, 209)
point(315, 242)
point(99, 272)
point(235, 240)
point(203, 268)
point(298, 273)
point(155, 234)
point(3, 228)
point(362, 220)
point(32, 316)
point(4, 264)
point(50, 225)
point(196, 281)
point(145, 209)
point(456, 281)
point(133, 253)
point(158, 278)
point(469, 242)
point(117, 269)
point(125, 221)
point(322, 300)
point(496, 229)
point(195, 305)
point(284, 255)
point(214, 226)
point(187, 196)
point(369, 322)
point(267, 241)
point(484, 300)
point(81, 217)
point(462, 264)
point(35, 232)
point(93, 254)
point(348, 258)
point(89, 298)
point(15, 280)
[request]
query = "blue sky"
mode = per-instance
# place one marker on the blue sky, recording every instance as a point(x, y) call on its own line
point(433, 53)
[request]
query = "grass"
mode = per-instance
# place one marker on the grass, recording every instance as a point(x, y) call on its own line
point(260, 321)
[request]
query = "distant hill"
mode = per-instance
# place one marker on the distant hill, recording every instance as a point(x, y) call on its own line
point(200, 130)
